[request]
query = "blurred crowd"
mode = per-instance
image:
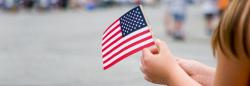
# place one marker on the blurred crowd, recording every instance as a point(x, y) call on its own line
point(14, 5)
point(177, 12)
point(174, 18)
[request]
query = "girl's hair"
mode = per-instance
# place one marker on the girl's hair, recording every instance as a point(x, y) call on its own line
point(232, 34)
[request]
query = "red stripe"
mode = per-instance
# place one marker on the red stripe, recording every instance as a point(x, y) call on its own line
point(111, 31)
point(112, 43)
point(127, 47)
point(123, 42)
point(118, 32)
point(111, 25)
point(128, 54)
point(135, 36)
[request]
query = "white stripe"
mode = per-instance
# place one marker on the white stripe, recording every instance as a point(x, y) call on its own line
point(111, 40)
point(125, 38)
point(124, 45)
point(128, 50)
point(109, 29)
point(112, 33)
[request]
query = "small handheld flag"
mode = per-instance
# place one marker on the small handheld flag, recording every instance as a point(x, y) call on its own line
point(126, 36)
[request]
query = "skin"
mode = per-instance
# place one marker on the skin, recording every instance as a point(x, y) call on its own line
point(201, 73)
point(231, 71)
point(161, 67)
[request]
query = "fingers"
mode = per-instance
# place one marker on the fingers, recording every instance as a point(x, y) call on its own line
point(142, 68)
point(142, 63)
point(151, 80)
point(146, 52)
point(147, 78)
point(144, 72)
point(154, 50)
point(162, 46)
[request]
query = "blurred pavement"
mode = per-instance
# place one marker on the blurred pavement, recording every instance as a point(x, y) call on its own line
point(63, 48)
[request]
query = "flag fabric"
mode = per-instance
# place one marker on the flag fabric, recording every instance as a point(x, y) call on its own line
point(126, 36)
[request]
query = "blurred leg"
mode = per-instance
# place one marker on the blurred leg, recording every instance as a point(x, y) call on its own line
point(178, 27)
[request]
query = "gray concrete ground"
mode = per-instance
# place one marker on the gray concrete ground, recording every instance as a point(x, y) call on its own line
point(63, 48)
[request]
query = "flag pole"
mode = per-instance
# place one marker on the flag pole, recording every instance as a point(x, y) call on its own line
point(149, 25)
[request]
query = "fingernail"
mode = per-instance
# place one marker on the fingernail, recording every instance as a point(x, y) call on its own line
point(157, 42)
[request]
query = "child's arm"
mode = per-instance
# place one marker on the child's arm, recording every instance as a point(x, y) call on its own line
point(160, 67)
point(199, 72)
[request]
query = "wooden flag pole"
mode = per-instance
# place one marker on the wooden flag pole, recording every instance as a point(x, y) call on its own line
point(149, 25)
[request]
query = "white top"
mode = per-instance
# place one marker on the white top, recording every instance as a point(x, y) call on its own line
point(209, 6)
point(9, 3)
point(177, 6)
point(44, 3)
point(1, 1)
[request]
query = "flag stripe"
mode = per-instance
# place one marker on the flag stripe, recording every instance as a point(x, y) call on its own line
point(111, 30)
point(141, 36)
point(128, 50)
point(111, 26)
point(127, 47)
point(111, 34)
point(118, 33)
point(115, 29)
point(127, 54)
point(127, 35)
point(116, 44)
point(128, 41)
point(113, 40)
point(123, 39)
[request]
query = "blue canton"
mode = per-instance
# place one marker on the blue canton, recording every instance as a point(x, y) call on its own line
point(132, 21)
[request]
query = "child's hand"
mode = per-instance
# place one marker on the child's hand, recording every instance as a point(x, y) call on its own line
point(198, 71)
point(158, 63)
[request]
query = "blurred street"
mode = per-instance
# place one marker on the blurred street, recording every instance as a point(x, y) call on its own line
point(63, 48)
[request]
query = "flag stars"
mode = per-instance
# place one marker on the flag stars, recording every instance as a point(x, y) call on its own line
point(132, 21)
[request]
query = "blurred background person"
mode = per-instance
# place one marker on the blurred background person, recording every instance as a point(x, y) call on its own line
point(10, 5)
point(1, 3)
point(109, 3)
point(44, 4)
point(177, 9)
point(152, 2)
point(75, 4)
point(54, 3)
point(90, 5)
point(63, 4)
point(137, 2)
point(28, 4)
point(210, 11)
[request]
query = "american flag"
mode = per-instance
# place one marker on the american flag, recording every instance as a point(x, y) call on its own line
point(126, 36)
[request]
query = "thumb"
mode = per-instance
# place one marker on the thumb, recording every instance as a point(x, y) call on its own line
point(161, 46)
